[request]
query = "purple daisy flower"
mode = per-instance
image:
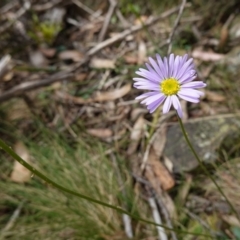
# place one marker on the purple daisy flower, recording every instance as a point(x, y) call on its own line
point(168, 79)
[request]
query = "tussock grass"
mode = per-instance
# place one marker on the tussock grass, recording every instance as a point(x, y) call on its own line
point(50, 214)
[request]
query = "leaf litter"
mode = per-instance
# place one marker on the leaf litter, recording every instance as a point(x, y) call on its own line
point(92, 100)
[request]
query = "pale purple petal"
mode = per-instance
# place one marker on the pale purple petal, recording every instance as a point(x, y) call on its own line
point(180, 112)
point(148, 94)
point(143, 80)
point(146, 74)
point(189, 99)
point(191, 92)
point(196, 84)
point(171, 65)
point(156, 75)
point(146, 88)
point(176, 66)
point(161, 66)
point(187, 78)
point(152, 99)
point(184, 68)
point(156, 67)
point(153, 106)
point(177, 106)
point(183, 60)
point(167, 104)
point(165, 62)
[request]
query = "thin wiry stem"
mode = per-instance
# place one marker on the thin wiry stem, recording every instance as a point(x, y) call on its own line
point(203, 167)
point(8, 150)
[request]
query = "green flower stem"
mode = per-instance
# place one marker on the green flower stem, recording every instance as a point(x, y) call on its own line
point(154, 123)
point(204, 168)
point(8, 150)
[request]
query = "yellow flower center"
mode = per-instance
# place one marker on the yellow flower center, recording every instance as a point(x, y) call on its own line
point(170, 86)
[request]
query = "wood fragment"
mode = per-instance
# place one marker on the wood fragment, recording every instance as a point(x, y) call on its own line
point(4, 62)
point(157, 218)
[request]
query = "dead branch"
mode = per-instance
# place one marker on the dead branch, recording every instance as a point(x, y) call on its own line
point(27, 86)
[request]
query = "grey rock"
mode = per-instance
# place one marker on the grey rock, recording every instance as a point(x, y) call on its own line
point(206, 135)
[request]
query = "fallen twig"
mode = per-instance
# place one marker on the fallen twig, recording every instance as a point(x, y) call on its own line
point(160, 203)
point(175, 26)
point(166, 216)
point(12, 220)
point(27, 86)
point(46, 6)
point(106, 22)
point(84, 7)
point(4, 63)
point(19, 13)
point(157, 218)
point(125, 217)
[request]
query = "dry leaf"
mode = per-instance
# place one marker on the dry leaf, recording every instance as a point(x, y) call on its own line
point(20, 174)
point(231, 220)
point(114, 94)
point(136, 112)
point(141, 20)
point(102, 63)
point(8, 76)
point(80, 76)
point(136, 135)
point(131, 59)
point(100, 132)
point(161, 176)
point(155, 181)
point(73, 55)
point(168, 163)
point(37, 59)
point(207, 56)
point(48, 52)
point(215, 97)
point(18, 110)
